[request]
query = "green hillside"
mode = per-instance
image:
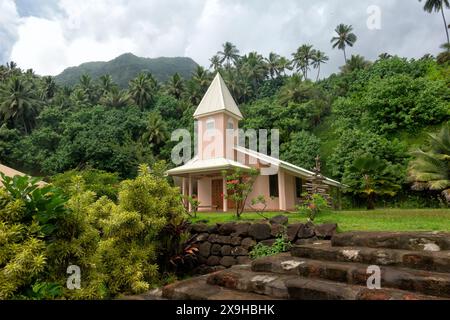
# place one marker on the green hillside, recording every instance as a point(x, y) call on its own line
point(125, 67)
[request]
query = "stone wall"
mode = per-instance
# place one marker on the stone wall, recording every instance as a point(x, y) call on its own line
point(224, 245)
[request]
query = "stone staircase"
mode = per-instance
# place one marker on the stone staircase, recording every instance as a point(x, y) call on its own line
point(414, 266)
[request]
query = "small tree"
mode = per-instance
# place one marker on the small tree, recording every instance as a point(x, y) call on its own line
point(313, 205)
point(239, 186)
point(259, 200)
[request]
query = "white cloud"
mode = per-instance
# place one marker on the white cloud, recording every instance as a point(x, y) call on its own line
point(84, 30)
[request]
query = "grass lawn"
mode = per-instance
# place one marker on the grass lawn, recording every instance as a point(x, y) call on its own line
point(378, 220)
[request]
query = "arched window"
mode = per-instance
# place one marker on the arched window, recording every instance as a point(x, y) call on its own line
point(230, 124)
point(210, 124)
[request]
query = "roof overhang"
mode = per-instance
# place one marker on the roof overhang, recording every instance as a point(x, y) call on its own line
point(197, 166)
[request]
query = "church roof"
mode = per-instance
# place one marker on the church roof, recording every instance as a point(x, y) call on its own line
point(197, 166)
point(217, 99)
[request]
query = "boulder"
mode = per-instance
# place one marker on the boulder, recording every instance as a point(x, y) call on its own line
point(301, 242)
point(226, 250)
point(226, 229)
point(277, 230)
point(239, 251)
point(213, 261)
point(248, 243)
point(213, 229)
point(243, 260)
point(305, 231)
point(202, 237)
point(283, 220)
point(199, 228)
point(259, 231)
point(236, 241)
point(268, 242)
point(241, 230)
point(205, 249)
point(325, 231)
point(292, 231)
point(215, 249)
point(228, 261)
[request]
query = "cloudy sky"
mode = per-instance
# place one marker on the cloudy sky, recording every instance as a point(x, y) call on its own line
point(50, 35)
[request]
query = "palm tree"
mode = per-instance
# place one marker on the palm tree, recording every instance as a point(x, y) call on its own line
point(283, 65)
point(436, 6)
point(215, 63)
point(430, 170)
point(345, 38)
point(356, 62)
point(157, 131)
point(293, 91)
point(444, 56)
point(229, 54)
point(303, 58)
point(273, 64)
point(175, 86)
point(49, 88)
point(254, 68)
point(201, 77)
point(319, 58)
point(142, 90)
point(116, 98)
point(106, 83)
point(19, 103)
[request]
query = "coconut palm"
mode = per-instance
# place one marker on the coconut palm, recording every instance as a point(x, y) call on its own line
point(283, 65)
point(116, 98)
point(229, 54)
point(436, 6)
point(430, 170)
point(19, 103)
point(345, 38)
point(106, 83)
point(175, 86)
point(201, 77)
point(156, 131)
point(303, 59)
point(272, 63)
point(142, 90)
point(318, 58)
point(215, 63)
point(49, 88)
point(253, 68)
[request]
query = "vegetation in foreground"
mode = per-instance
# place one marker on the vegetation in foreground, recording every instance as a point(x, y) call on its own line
point(355, 220)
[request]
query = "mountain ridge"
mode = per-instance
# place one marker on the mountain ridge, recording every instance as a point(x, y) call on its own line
point(127, 66)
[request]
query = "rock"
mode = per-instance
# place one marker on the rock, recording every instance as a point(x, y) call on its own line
point(241, 230)
point(305, 232)
point(259, 231)
point(292, 231)
point(213, 261)
point(239, 251)
point(226, 250)
point(214, 238)
point(277, 230)
point(236, 241)
point(301, 242)
point(213, 229)
point(202, 237)
point(199, 228)
point(268, 242)
point(205, 249)
point(226, 229)
point(326, 231)
point(248, 243)
point(283, 220)
point(228, 261)
point(215, 249)
point(243, 260)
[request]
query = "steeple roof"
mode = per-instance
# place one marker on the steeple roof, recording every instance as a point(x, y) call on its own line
point(218, 98)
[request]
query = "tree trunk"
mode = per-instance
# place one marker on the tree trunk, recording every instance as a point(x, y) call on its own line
point(318, 73)
point(445, 23)
point(370, 202)
point(345, 56)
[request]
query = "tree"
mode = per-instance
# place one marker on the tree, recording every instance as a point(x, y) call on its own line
point(239, 186)
point(301, 149)
point(156, 131)
point(19, 103)
point(116, 98)
point(273, 64)
point(215, 63)
point(142, 90)
point(430, 170)
point(444, 56)
point(175, 86)
point(371, 177)
point(49, 88)
point(345, 38)
point(303, 59)
point(356, 62)
point(318, 58)
point(283, 65)
point(229, 54)
point(106, 83)
point(436, 6)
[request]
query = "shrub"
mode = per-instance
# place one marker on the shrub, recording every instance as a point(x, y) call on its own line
point(261, 250)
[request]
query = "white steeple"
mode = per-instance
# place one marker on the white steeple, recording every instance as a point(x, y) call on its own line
point(217, 99)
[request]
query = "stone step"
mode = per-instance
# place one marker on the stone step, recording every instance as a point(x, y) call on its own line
point(422, 260)
point(416, 241)
point(198, 289)
point(298, 288)
point(425, 282)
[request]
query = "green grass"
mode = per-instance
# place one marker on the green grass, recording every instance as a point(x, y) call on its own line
point(378, 220)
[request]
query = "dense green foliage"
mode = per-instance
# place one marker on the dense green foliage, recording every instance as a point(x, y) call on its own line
point(43, 231)
point(126, 67)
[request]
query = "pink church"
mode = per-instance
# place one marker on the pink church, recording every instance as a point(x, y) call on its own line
point(218, 149)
